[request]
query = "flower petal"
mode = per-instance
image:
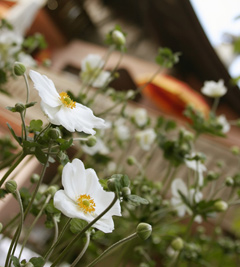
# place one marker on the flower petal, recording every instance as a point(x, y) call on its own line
point(179, 185)
point(45, 88)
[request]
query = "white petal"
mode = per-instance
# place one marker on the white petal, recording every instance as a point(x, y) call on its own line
point(45, 88)
point(105, 225)
point(51, 112)
point(102, 79)
point(74, 179)
point(178, 185)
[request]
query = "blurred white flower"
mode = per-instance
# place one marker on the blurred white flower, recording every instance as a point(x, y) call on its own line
point(197, 166)
point(140, 117)
point(121, 131)
point(27, 60)
point(111, 167)
point(191, 195)
point(224, 123)
point(83, 197)
point(99, 147)
point(146, 138)
point(214, 89)
point(92, 73)
point(61, 110)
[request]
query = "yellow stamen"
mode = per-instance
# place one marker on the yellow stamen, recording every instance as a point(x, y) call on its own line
point(86, 204)
point(66, 100)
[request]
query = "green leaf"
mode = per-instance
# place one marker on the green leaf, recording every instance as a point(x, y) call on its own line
point(35, 125)
point(37, 261)
point(15, 261)
point(3, 193)
point(40, 155)
point(13, 133)
point(136, 200)
point(13, 109)
point(50, 208)
point(76, 225)
point(66, 144)
point(3, 76)
point(31, 104)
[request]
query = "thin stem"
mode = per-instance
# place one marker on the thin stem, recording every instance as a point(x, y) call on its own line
point(28, 90)
point(23, 125)
point(84, 230)
point(215, 104)
point(33, 224)
point(12, 168)
point(120, 242)
point(43, 130)
point(83, 250)
point(9, 160)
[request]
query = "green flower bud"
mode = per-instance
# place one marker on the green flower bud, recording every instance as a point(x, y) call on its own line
point(235, 150)
point(118, 37)
point(212, 176)
point(220, 205)
point(131, 160)
point(144, 230)
point(19, 69)
point(35, 178)
point(111, 184)
point(61, 156)
point(126, 191)
point(177, 244)
point(19, 107)
point(11, 186)
point(52, 190)
point(54, 133)
point(91, 141)
point(1, 227)
point(229, 181)
point(59, 169)
point(28, 264)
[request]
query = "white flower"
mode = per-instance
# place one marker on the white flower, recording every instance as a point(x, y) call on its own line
point(146, 138)
point(192, 195)
point(92, 73)
point(121, 131)
point(27, 60)
point(61, 110)
point(111, 167)
point(224, 123)
point(83, 197)
point(99, 147)
point(140, 117)
point(197, 166)
point(214, 89)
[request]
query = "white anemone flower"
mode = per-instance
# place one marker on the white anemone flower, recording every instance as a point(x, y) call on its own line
point(197, 166)
point(83, 197)
point(99, 147)
point(140, 117)
point(121, 131)
point(192, 195)
point(224, 123)
point(61, 110)
point(214, 89)
point(146, 138)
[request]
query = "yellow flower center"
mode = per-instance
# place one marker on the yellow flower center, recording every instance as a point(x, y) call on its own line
point(66, 100)
point(86, 204)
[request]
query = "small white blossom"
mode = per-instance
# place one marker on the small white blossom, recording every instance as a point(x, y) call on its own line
point(27, 60)
point(140, 117)
point(61, 110)
point(224, 123)
point(111, 167)
point(99, 147)
point(192, 195)
point(214, 89)
point(121, 131)
point(83, 197)
point(146, 138)
point(92, 73)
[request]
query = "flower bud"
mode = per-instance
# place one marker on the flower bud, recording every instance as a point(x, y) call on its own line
point(59, 169)
point(144, 230)
point(131, 160)
point(54, 133)
point(19, 69)
point(118, 37)
point(52, 190)
point(220, 205)
point(35, 178)
point(126, 191)
point(177, 244)
point(28, 264)
point(1, 227)
point(235, 150)
point(111, 184)
point(91, 141)
point(11, 186)
point(61, 156)
point(229, 181)
point(212, 176)
point(19, 107)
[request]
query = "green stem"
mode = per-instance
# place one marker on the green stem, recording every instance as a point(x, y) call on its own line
point(24, 126)
point(79, 235)
point(33, 224)
point(28, 90)
point(120, 242)
point(83, 250)
point(215, 105)
point(12, 168)
point(43, 130)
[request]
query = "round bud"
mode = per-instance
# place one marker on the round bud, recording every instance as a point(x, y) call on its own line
point(126, 191)
point(61, 156)
point(212, 176)
point(1, 227)
point(131, 160)
point(54, 133)
point(59, 169)
point(229, 181)
point(118, 37)
point(28, 264)
point(52, 190)
point(111, 184)
point(19, 69)
point(144, 230)
point(19, 107)
point(130, 94)
point(220, 205)
point(235, 150)
point(35, 178)
point(177, 244)
point(91, 141)
point(11, 186)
